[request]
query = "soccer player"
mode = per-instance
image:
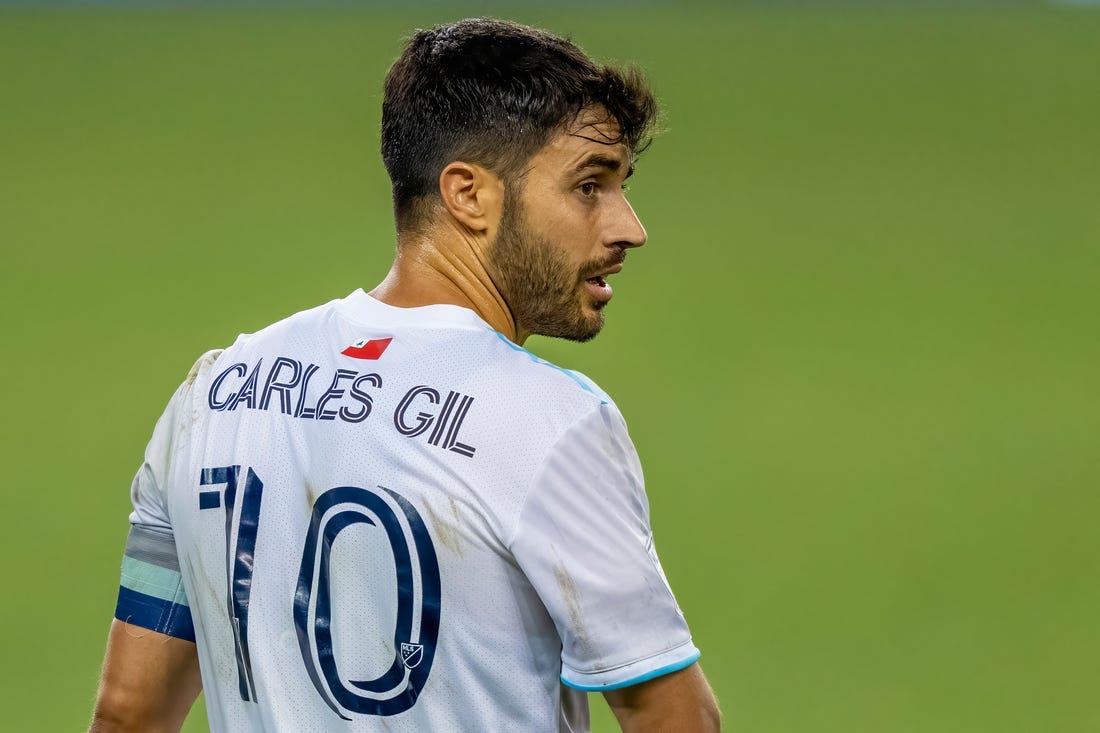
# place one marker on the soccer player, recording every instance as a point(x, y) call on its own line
point(383, 513)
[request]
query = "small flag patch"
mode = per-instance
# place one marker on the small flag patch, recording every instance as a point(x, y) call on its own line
point(367, 349)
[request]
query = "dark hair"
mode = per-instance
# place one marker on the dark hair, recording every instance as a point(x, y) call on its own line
point(492, 92)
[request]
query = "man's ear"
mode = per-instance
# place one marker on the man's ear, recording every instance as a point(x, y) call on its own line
point(473, 195)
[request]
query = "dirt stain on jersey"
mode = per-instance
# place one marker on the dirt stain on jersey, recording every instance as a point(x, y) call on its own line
point(206, 360)
point(572, 598)
point(446, 529)
point(311, 497)
point(208, 587)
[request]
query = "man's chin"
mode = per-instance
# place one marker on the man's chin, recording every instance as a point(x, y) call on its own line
point(591, 327)
point(583, 328)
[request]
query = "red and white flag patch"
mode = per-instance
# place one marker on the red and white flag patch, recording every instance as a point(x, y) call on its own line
point(367, 348)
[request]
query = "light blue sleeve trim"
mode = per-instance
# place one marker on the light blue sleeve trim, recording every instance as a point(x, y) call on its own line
point(651, 675)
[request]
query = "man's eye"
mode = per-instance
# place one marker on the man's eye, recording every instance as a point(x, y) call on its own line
point(588, 189)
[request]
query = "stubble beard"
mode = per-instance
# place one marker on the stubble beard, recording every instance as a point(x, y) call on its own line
point(544, 293)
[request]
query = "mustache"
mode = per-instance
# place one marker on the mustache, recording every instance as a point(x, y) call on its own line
point(595, 267)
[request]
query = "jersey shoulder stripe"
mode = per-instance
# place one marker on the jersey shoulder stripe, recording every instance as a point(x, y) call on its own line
point(578, 378)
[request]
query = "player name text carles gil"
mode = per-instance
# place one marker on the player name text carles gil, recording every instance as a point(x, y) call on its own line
point(297, 390)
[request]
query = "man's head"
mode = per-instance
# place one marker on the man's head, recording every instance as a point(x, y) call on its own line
point(558, 131)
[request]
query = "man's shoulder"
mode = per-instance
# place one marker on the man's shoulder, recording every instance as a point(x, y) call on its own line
point(287, 328)
point(528, 403)
point(202, 368)
point(302, 321)
point(541, 374)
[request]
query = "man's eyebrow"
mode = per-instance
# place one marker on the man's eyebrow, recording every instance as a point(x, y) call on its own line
point(607, 162)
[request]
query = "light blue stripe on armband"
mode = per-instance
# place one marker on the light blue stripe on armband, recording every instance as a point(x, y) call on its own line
point(153, 580)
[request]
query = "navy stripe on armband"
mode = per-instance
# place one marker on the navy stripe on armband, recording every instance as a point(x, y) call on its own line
point(151, 593)
point(155, 614)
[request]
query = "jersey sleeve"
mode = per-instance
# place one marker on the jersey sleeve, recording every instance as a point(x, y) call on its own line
point(151, 593)
point(583, 539)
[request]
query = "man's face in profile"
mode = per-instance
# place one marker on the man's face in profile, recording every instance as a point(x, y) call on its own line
point(565, 229)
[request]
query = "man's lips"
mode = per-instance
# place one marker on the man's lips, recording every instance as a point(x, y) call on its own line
point(597, 283)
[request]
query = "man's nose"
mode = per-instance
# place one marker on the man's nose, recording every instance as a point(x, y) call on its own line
point(627, 231)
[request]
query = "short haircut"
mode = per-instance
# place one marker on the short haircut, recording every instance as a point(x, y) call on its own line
point(492, 92)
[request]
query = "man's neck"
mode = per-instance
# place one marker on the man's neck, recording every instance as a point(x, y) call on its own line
point(427, 273)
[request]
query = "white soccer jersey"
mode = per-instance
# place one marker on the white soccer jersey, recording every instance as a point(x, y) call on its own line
point(376, 518)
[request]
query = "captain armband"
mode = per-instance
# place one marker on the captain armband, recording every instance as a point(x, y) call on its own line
point(150, 592)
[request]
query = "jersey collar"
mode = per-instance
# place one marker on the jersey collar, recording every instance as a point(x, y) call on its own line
point(360, 307)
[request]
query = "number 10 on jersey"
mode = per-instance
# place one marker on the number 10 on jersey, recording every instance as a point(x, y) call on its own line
point(417, 576)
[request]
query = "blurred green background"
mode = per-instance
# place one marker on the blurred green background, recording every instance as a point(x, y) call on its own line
point(859, 355)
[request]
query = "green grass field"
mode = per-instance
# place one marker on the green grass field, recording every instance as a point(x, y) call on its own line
point(859, 355)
